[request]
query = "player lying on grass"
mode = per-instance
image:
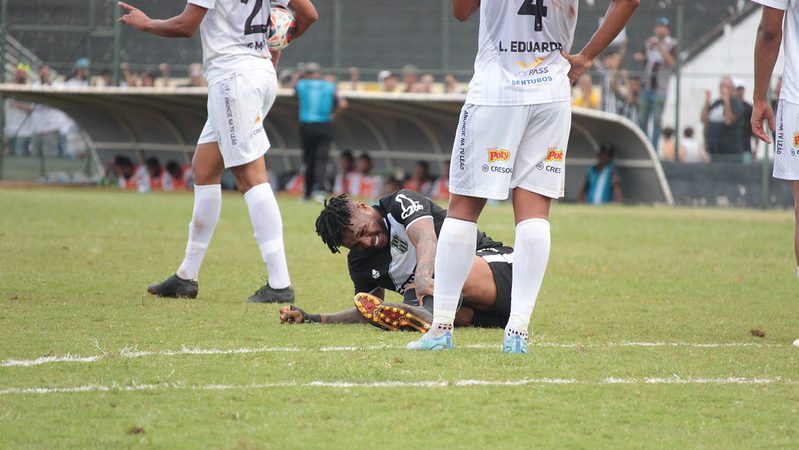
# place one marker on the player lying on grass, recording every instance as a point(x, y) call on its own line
point(392, 245)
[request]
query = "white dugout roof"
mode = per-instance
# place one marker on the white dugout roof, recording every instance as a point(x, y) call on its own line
point(396, 130)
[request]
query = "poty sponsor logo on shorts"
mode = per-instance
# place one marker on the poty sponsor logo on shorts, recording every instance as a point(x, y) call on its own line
point(554, 155)
point(498, 154)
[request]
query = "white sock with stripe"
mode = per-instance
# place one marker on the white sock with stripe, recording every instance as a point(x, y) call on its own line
point(457, 243)
point(530, 257)
point(268, 227)
point(207, 206)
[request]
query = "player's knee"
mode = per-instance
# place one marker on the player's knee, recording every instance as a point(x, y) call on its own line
point(465, 208)
point(464, 317)
point(204, 176)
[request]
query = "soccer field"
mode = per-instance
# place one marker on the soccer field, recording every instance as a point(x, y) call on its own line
point(643, 337)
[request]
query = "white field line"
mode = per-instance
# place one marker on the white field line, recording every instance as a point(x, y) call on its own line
point(132, 353)
point(395, 384)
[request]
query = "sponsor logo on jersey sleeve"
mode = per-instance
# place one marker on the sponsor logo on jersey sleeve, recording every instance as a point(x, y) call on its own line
point(796, 140)
point(408, 205)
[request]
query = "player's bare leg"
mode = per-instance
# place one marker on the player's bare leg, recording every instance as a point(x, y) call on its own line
point(530, 257)
point(253, 182)
point(479, 291)
point(207, 166)
point(457, 243)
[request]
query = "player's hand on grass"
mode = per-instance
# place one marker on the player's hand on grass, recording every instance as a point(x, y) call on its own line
point(424, 288)
point(579, 65)
point(762, 112)
point(291, 315)
point(135, 18)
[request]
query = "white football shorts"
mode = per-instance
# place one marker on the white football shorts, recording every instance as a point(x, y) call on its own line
point(237, 107)
point(498, 148)
point(786, 141)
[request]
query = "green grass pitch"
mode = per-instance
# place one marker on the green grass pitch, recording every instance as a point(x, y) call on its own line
point(642, 337)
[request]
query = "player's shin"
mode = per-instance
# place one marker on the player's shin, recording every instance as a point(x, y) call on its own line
point(207, 206)
point(530, 258)
point(268, 227)
point(457, 243)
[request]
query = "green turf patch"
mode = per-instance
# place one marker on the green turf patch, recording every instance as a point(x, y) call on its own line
point(655, 327)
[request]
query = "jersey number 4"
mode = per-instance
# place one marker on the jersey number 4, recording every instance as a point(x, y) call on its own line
point(249, 28)
point(534, 8)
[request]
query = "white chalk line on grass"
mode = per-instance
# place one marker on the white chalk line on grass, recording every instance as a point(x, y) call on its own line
point(394, 384)
point(131, 353)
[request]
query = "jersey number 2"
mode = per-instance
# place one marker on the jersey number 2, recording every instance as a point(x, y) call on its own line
point(249, 28)
point(534, 8)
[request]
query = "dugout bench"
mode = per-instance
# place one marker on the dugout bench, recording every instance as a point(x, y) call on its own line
point(396, 129)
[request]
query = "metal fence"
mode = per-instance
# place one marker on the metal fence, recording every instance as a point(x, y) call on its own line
point(714, 39)
point(370, 34)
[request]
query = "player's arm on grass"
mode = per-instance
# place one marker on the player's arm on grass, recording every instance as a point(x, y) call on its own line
point(183, 25)
point(767, 49)
point(463, 9)
point(304, 15)
point(616, 18)
point(293, 315)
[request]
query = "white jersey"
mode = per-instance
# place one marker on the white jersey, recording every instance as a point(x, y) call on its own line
point(790, 42)
point(234, 34)
point(518, 58)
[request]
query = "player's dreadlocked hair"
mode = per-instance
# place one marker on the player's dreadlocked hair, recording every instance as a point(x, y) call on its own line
point(333, 221)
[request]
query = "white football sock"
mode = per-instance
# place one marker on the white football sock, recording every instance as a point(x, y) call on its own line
point(457, 243)
point(268, 227)
point(530, 257)
point(207, 206)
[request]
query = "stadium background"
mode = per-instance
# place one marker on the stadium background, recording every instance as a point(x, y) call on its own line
point(370, 34)
point(655, 328)
point(382, 35)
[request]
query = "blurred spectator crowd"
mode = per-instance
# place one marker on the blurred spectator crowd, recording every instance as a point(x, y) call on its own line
point(355, 176)
point(725, 116)
point(149, 176)
point(637, 91)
